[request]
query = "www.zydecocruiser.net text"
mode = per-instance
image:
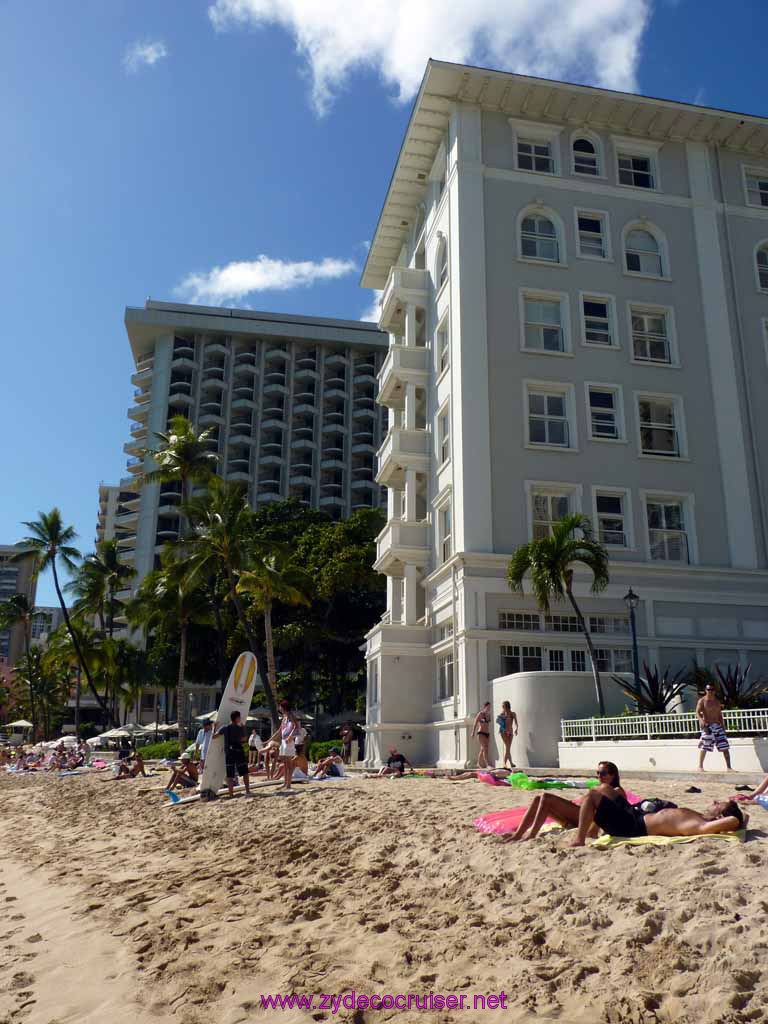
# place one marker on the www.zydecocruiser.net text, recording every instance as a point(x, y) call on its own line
point(385, 1001)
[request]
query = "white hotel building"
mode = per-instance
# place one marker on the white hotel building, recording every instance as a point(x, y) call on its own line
point(575, 287)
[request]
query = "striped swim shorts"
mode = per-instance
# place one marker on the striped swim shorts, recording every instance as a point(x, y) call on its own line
point(713, 736)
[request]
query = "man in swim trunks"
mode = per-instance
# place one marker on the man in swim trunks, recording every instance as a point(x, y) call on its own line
point(185, 776)
point(395, 764)
point(709, 712)
point(234, 756)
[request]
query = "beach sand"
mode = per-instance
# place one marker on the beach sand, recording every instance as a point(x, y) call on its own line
point(116, 909)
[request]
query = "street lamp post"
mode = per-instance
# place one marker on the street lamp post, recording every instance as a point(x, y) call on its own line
point(632, 601)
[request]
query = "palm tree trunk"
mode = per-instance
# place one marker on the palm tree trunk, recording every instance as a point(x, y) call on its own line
point(221, 637)
point(256, 650)
point(180, 709)
point(271, 669)
point(77, 703)
point(76, 644)
point(590, 646)
point(27, 629)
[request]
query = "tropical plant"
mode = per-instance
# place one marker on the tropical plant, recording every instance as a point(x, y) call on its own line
point(737, 691)
point(18, 611)
point(100, 576)
point(273, 578)
point(550, 562)
point(656, 693)
point(169, 597)
point(181, 455)
point(50, 686)
point(51, 541)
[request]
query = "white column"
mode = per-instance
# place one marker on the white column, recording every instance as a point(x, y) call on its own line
point(410, 324)
point(394, 602)
point(410, 407)
point(726, 405)
point(393, 503)
point(410, 495)
point(411, 585)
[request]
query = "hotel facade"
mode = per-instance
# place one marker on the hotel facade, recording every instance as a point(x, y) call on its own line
point(575, 287)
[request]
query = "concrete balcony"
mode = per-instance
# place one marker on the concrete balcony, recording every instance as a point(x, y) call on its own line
point(215, 346)
point(135, 465)
point(238, 474)
point(181, 399)
point(402, 543)
point(133, 447)
point(140, 413)
point(127, 518)
point(243, 403)
point(403, 365)
point(403, 285)
point(403, 449)
point(143, 376)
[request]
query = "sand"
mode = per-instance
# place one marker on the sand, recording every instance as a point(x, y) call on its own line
point(117, 909)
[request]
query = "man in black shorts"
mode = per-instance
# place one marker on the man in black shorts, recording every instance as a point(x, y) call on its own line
point(395, 764)
point(234, 755)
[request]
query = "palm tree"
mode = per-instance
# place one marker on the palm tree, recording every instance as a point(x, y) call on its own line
point(169, 597)
point(273, 578)
point(61, 659)
point(18, 611)
point(222, 544)
point(98, 579)
point(50, 541)
point(181, 455)
point(550, 562)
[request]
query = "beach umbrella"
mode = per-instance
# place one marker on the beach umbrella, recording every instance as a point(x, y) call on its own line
point(133, 729)
point(93, 741)
point(21, 724)
point(209, 717)
point(169, 727)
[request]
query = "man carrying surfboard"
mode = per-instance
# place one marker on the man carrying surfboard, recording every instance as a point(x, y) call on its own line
point(234, 756)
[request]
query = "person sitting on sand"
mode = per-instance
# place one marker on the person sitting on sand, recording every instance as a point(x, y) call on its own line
point(130, 771)
point(185, 776)
point(330, 767)
point(395, 765)
point(565, 812)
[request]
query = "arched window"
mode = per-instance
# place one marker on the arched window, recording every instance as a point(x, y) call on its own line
point(762, 266)
point(585, 157)
point(539, 239)
point(442, 263)
point(642, 253)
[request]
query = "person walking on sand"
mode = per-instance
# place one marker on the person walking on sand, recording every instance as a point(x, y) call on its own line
point(254, 747)
point(286, 732)
point(347, 735)
point(234, 756)
point(482, 729)
point(709, 712)
point(507, 723)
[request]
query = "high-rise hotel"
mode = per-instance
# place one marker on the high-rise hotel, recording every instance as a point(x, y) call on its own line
point(290, 403)
point(575, 287)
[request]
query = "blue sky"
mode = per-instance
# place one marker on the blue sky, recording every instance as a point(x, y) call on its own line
point(243, 129)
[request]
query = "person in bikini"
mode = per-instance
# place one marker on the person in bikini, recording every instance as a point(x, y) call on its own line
point(709, 712)
point(507, 723)
point(606, 807)
point(482, 729)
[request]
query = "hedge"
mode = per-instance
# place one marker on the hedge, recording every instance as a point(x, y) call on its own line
point(165, 749)
point(322, 748)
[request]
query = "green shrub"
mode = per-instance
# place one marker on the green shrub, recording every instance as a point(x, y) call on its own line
point(168, 748)
point(322, 748)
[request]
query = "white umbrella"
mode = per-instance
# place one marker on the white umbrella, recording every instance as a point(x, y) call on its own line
point(209, 717)
point(21, 724)
point(133, 729)
point(169, 727)
point(93, 741)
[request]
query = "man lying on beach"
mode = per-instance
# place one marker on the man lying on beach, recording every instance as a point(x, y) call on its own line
point(606, 807)
point(185, 776)
point(474, 773)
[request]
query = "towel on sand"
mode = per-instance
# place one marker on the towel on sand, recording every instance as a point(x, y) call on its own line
point(609, 842)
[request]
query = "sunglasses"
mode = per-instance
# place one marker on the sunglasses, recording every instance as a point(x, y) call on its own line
point(602, 771)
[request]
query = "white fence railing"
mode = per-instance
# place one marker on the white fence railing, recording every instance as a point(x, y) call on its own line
point(656, 726)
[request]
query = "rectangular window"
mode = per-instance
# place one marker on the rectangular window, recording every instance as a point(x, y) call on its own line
point(609, 624)
point(520, 620)
point(445, 677)
point(611, 520)
point(603, 659)
point(444, 435)
point(592, 240)
point(546, 510)
point(578, 661)
point(757, 188)
point(667, 533)
point(521, 658)
point(533, 155)
point(637, 171)
point(543, 325)
point(445, 532)
point(373, 676)
point(562, 623)
point(147, 702)
point(659, 432)
point(443, 349)
point(445, 630)
point(603, 414)
point(547, 419)
point(650, 336)
point(622, 660)
point(556, 660)
point(598, 328)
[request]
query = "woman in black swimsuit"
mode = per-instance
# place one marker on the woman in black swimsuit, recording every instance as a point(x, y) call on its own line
point(616, 811)
point(482, 728)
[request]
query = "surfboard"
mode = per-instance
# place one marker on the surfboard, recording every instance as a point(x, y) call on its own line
point(179, 800)
point(237, 696)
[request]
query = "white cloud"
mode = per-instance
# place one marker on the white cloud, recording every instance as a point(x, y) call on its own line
point(232, 282)
point(594, 41)
point(373, 311)
point(146, 52)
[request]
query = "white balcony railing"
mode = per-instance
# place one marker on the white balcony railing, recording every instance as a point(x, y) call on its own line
point(405, 284)
point(403, 365)
point(624, 727)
